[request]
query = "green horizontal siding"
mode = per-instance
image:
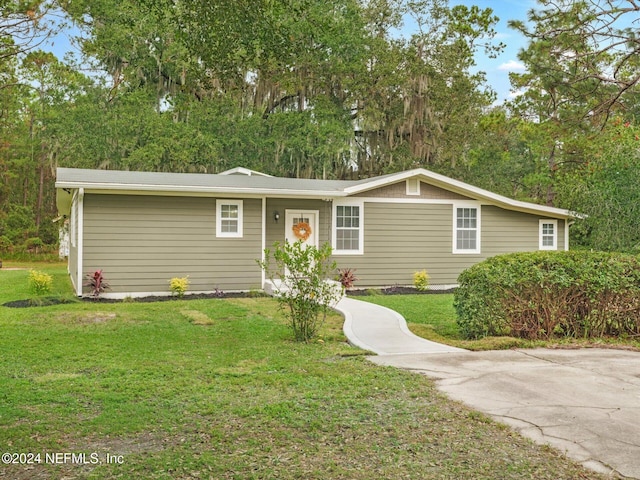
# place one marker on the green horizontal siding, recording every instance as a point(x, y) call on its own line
point(141, 242)
point(275, 230)
point(400, 239)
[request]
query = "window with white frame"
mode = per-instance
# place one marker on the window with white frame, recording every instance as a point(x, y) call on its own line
point(348, 229)
point(229, 218)
point(548, 234)
point(466, 231)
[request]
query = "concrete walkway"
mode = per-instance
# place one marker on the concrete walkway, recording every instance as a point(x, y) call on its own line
point(584, 402)
point(383, 331)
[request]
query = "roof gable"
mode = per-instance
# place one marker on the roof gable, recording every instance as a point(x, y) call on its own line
point(243, 171)
point(460, 188)
point(399, 190)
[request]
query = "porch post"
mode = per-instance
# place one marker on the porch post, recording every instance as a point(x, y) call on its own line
point(80, 243)
point(264, 238)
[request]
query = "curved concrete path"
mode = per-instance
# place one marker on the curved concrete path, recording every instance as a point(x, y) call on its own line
point(584, 402)
point(383, 331)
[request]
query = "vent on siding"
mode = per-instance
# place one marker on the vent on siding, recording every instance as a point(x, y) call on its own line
point(413, 186)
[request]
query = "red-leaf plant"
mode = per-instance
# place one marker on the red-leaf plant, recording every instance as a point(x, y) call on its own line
point(96, 283)
point(347, 277)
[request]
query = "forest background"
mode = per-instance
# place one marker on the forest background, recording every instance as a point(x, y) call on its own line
point(323, 89)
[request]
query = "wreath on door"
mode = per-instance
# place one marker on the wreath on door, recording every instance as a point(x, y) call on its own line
point(302, 230)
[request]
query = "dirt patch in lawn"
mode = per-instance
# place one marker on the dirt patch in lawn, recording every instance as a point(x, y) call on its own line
point(86, 318)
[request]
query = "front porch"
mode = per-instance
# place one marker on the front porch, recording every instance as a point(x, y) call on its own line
point(276, 287)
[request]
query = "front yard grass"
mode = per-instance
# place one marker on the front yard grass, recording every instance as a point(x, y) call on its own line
point(217, 389)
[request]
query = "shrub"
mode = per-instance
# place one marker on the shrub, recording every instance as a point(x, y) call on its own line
point(547, 294)
point(347, 277)
point(5, 244)
point(305, 294)
point(179, 286)
point(18, 224)
point(421, 280)
point(96, 283)
point(33, 244)
point(39, 282)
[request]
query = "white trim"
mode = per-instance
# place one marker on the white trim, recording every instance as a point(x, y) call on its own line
point(413, 189)
point(566, 234)
point(73, 223)
point(334, 214)
point(541, 223)
point(462, 188)
point(289, 212)
point(80, 248)
point(130, 188)
point(244, 171)
point(478, 228)
point(263, 274)
point(239, 232)
point(415, 201)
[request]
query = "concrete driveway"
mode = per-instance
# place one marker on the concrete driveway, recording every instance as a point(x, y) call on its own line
point(584, 402)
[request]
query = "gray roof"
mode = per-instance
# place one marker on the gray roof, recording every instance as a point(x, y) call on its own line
point(256, 185)
point(197, 182)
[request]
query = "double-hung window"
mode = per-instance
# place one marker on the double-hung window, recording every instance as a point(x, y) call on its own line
point(466, 229)
point(548, 234)
point(229, 218)
point(348, 229)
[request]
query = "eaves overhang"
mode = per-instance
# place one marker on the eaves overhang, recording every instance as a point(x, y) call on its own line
point(132, 188)
point(462, 188)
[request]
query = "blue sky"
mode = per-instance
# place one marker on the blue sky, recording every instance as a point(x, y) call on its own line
point(497, 70)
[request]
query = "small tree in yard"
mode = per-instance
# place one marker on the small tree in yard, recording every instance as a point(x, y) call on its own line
point(305, 293)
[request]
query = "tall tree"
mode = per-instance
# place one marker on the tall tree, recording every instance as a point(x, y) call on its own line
point(305, 88)
point(25, 25)
point(605, 189)
point(583, 57)
point(49, 87)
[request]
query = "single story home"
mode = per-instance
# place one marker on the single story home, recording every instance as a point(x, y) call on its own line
point(144, 228)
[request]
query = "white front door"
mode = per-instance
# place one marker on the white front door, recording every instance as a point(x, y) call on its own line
point(301, 225)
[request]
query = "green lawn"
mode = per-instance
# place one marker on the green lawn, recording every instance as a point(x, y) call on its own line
point(217, 389)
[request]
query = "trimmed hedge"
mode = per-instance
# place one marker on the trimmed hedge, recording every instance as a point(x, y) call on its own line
point(550, 294)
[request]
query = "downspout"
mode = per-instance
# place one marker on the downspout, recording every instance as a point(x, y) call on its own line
point(264, 239)
point(80, 233)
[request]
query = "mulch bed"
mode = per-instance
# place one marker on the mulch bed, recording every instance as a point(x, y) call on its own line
point(37, 302)
point(48, 301)
point(395, 291)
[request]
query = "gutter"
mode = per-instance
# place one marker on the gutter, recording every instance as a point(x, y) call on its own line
point(133, 187)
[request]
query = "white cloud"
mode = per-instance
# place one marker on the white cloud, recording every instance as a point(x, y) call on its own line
point(511, 66)
point(502, 36)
